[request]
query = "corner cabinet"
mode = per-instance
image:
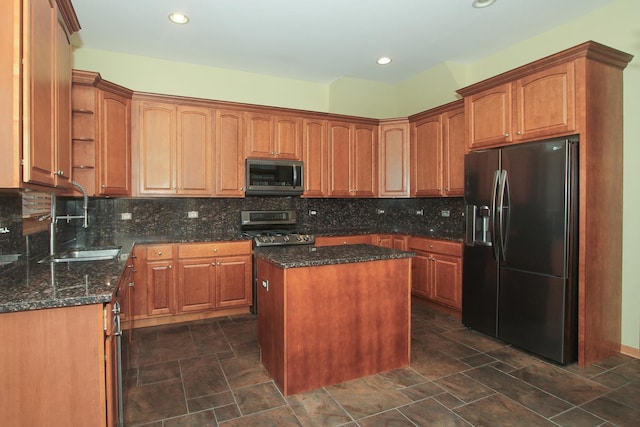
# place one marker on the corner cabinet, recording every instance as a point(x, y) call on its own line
point(574, 92)
point(437, 151)
point(393, 158)
point(101, 135)
point(353, 159)
point(36, 104)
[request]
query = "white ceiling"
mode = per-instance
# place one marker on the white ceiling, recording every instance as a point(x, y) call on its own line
point(319, 40)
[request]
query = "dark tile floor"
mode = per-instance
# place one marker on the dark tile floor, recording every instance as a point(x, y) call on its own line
point(208, 373)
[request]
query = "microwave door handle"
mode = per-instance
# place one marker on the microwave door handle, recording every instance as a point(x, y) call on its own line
point(295, 175)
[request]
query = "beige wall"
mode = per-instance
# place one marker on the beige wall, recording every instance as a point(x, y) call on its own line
point(616, 25)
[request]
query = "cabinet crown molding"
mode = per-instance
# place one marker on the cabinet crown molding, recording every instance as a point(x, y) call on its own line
point(590, 50)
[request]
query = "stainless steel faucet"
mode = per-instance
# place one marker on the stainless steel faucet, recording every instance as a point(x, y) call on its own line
point(55, 217)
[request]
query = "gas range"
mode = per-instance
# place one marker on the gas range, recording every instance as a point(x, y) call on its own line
point(279, 238)
point(273, 228)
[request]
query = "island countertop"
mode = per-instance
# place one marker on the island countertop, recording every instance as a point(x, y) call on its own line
point(309, 256)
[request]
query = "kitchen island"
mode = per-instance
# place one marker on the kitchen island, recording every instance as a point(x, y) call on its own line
point(331, 314)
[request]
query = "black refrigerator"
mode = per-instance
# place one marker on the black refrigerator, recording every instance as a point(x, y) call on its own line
point(520, 254)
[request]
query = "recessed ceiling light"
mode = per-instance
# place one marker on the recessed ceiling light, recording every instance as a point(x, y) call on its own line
point(384, 60)
point(482, 3)
point(178, 18)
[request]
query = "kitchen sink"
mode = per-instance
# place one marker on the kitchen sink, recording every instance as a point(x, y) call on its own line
point(9, 259)
point(87, 254)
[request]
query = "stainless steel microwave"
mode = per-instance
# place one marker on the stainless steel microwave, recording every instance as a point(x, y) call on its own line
point(273, 177)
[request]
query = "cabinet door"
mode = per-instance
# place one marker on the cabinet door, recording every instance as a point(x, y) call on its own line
point(421, 275)
point(287, 137)
point(156, 148)
point(545, 103)
point(194, 151)
point(229, 159)
point(364, 175)
point(259, 136)
point(489, 117)
point(384, 240)
point(40, 29)
point(426, 157)
point(159, 281)
point(314, 151)
point(400, 242)
point(114, 145)
point(196, 284)
point(447, 280)
point(453, 125)
point(394, 160)
point(62, 111)
point(339, 159)
point(233, 278)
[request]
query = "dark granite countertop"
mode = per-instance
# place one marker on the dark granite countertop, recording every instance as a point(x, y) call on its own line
point(32, 285)
point(309, 256)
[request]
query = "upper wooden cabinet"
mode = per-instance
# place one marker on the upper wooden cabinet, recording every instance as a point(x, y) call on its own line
point(273, 136)
point(393, 158)
point(101, 135)
point(35, 110)
point(353, 159)
point(437, 151)
point(174, 149)
point(229, 154)
point(538, 105)
point(314, 157)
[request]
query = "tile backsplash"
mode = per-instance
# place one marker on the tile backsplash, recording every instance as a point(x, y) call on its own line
point(167, 218)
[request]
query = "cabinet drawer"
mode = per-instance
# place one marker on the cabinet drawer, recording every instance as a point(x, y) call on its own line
point(203, 250)
point(437, 246)
point(157, 252)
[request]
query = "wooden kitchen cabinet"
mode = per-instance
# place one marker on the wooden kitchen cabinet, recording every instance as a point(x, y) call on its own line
point(175, 148)
point(393, 159)
point(437, 151)
point(538, 105)
point(101, 135)
point(189, 281)
point(214, 275)
point(229, 153)
point(314, 157)
point(344, 240)
point(353, 159)
point(53, 369)
point(159, 280)
point(273, 136)
point(35, 80)
point(437, 271)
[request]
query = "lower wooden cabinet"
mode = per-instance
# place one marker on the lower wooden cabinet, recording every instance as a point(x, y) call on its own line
point(344, 240)
point(175, 281)
point(436, 271)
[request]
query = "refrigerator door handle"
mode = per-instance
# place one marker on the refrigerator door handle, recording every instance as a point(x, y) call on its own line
point(494, 210)
point(503, 212)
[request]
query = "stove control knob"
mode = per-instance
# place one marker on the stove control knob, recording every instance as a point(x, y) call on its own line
point(298, 237)
point(272, 239)
point(285, 238)
point(307, 238)
point(264, 239)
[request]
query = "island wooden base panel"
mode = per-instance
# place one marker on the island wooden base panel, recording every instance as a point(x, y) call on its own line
point(319, 326)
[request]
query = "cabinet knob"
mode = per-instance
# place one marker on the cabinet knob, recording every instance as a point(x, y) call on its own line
point(519, 132)
point(215, 249)
point(131, 284)
point(159, 253)
point(213, 264)
point(169, 266)
point(103, 186)
point(241, 188)
point(506, 135)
